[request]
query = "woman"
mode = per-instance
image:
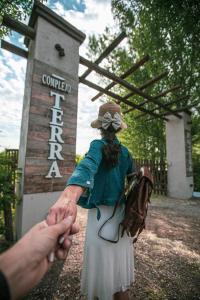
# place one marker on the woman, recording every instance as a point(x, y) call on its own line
point(97, 183)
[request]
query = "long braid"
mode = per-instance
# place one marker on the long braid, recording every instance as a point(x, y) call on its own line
point(111, 150)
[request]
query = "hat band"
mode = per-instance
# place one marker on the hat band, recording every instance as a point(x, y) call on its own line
point(108, 120)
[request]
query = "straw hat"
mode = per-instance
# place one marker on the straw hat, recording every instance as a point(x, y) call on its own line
point(109, 113)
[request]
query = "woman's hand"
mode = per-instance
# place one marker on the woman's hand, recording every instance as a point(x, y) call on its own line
point(61, 210)
point(65, 206)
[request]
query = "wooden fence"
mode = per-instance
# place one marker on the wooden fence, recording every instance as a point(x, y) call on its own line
point(8, 172)
point(159, 172)
point(11, 156)
point(8, 163)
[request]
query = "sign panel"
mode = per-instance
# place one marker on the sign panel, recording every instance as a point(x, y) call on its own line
point(51, 138)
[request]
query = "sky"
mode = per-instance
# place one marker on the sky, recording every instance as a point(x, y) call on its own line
point(91, 17)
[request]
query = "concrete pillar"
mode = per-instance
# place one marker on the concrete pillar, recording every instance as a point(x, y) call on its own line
point(49, 118)
point(179, 156)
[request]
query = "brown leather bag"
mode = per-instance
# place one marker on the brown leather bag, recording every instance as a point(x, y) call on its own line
point(137, 196)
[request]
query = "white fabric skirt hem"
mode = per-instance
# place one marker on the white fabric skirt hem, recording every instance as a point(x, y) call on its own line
point(107, 268)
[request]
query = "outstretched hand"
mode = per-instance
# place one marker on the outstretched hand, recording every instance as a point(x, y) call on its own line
point(65, 206)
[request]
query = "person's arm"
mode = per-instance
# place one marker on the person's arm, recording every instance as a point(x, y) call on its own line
point(81, 180)
point(26, 262)
point(67, 200)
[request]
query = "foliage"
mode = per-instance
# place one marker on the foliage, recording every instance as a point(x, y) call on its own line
point(18, 9)
point(7, 196)
point(169, 32)
point(78, 158)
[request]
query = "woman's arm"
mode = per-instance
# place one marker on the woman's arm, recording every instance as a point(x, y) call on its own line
point(82, 179)
point(67, 200)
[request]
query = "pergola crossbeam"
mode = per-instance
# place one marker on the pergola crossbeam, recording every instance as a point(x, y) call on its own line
point(124, 83)
point(14, 49)
point(18, 26)
point(176, 87)
point(106, 52)
point(155, 97)
point(181, 109)
point(153, 80)
point(146, 84)
point(185, 108)
point(124, 75)
point(117, 97)
point(166, 105)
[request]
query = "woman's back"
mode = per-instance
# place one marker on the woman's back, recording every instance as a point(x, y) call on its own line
point(104, 184)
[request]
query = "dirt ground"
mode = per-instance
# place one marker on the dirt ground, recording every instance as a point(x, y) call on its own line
point(167, 257)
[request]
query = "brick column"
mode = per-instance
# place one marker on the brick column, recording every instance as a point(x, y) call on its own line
point(49, 119)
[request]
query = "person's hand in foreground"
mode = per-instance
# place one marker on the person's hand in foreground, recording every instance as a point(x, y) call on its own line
point(65, 206)
point(27, 261)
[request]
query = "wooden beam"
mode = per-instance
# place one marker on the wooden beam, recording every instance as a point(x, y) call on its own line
point(14, 49)
point(155, 97)
point(176, 87)
point(181, 109)
point(18, 26)
point(166, 104)
point(184, 108)
point(146, 84)
point(124, 75)
point(106, 52)
point(124, 83)
point(153, 80)
point(117, 97)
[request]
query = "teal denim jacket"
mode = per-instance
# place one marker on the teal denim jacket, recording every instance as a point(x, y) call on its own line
point(103, 186)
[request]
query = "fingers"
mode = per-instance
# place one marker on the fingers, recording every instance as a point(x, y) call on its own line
point(74, 229)
point(63, 226)
point(60, 215)
point(63, 251)
point(61, 254)
point(67, 242)
point(51, 218)
point(69, 234)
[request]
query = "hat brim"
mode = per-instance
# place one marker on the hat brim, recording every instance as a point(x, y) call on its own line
point(97, 124)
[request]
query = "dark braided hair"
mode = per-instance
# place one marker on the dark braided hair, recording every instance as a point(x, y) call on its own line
point(111, 150)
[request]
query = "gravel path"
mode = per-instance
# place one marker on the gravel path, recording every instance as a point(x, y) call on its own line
point(167, 257)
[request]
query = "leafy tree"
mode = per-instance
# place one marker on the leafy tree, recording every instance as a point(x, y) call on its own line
point(78, 158)
point(169, 32)
point(7, 196)
point(18, 9)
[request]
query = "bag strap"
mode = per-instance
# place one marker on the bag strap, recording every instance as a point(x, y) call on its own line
point(108, 240)
point(114, 211)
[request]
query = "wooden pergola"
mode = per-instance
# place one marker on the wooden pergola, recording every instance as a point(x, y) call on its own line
point(160, 109)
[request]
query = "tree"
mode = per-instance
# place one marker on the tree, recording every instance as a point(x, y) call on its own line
point(169, 32)
point(7, 196)
point(78, 158)
point(18, 9)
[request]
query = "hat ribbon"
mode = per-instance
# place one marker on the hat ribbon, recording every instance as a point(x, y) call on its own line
point(107, 120)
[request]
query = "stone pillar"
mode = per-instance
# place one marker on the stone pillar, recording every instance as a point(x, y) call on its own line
point(49, 118)
point(179, 156)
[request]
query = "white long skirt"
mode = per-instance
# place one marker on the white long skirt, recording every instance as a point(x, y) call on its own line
point(107, 268)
